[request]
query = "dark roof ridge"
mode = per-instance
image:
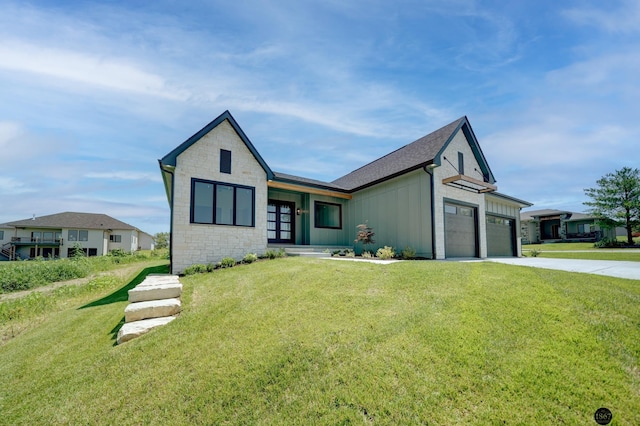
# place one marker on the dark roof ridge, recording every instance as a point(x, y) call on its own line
point(404, 146)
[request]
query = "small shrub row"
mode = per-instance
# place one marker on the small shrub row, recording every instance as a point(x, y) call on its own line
point(384, 253)
point(229, 262)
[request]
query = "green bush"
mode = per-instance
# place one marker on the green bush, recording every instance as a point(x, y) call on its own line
point(408, 253)
point(385, 253)
point(608, 243)
point(197, 268)
point(367, 254)
point(274, 254)
point(534, 252)
point(250, 258)
point(227, 262)
point(350, 253)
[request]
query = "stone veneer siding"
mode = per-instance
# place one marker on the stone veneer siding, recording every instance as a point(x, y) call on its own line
point(203, 243)
point(458, 144)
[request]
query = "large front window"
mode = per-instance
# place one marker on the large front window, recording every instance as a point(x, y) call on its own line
point(328, 215)
point(222, 203)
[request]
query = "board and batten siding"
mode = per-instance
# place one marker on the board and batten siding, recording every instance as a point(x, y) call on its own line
point(398, 210)
point(329, 236)
point(203, 243)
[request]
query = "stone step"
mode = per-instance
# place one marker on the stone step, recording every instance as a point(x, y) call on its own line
point(156, 287)
point(131, 330)
point(151, 309)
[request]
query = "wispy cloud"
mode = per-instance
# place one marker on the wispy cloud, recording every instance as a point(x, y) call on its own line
point(614, 17)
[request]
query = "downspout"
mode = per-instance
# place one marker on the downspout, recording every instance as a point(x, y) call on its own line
point(433, 220)
point(168, 170)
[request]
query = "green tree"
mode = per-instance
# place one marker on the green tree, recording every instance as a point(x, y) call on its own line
point(162, 240)
point(616, 200)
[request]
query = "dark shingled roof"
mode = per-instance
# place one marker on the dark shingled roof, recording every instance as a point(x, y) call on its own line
point(410, 157)
point(73, 220)
point(283, 177)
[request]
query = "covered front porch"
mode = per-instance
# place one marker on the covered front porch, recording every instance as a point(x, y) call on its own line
point(307, 216)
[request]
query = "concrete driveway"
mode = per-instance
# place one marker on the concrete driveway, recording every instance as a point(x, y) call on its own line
point(611, 268)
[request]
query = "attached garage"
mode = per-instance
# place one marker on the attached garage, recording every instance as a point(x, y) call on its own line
point(501, 236)
point(461, 231)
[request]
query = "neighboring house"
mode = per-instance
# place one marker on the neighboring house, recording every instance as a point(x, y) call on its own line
point(146, 241)
point(436, 195)
point(57, 235)
point(549, 225)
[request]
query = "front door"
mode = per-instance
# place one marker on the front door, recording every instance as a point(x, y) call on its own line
point(280, 224)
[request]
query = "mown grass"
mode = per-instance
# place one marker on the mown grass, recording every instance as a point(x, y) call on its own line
point(303, 341)
point(559, 246)
point(602, 254)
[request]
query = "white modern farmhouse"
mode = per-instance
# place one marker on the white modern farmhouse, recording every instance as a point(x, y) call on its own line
point(436, 195)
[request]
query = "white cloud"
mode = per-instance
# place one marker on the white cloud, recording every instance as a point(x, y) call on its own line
point(9, 185)
point(623, 19)
point(125, 175)
point(105, 72)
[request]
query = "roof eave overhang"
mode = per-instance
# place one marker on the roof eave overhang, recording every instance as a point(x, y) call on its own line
point(297, 187)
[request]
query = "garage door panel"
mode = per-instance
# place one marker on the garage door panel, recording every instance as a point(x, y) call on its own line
point(500, 236)
point(460, 231)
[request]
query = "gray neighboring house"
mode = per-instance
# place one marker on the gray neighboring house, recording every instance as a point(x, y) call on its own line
point(550, 225)
point(56, 236)
point(436, 195)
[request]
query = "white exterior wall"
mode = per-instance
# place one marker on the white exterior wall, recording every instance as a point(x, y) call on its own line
point(128, 241)
point(200, 243)
point(457, 144)
point(96, 240)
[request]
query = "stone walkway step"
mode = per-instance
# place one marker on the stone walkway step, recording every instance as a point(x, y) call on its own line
point(155, 289)
point(151, 309)
point(152, 303)
point(131, 330)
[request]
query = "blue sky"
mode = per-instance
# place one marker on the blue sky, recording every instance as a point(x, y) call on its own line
point(94, 93)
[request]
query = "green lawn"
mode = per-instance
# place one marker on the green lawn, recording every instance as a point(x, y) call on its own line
point(310, 341)
point(581, 251)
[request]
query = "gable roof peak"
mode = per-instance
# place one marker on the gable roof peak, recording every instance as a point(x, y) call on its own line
point(417, 154)
point(171, 157)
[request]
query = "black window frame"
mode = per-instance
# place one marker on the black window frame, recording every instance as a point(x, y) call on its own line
point(315, 214)
point(214, 219)
point(460, 163)
point(115, 238)
point(225, 161)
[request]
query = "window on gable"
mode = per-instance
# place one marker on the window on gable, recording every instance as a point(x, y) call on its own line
point(219, 203)
point(460, 163)
point(225, 161)
point(328, 215)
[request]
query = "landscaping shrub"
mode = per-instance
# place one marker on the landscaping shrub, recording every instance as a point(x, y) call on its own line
point(274, 254)
point(227, 262)
point(408, 253)
point(367, 254)
point(197, 268)
point(534, 252)
point(385, 253)
point(608, 243)
point(350, 253)
point(250, 258)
